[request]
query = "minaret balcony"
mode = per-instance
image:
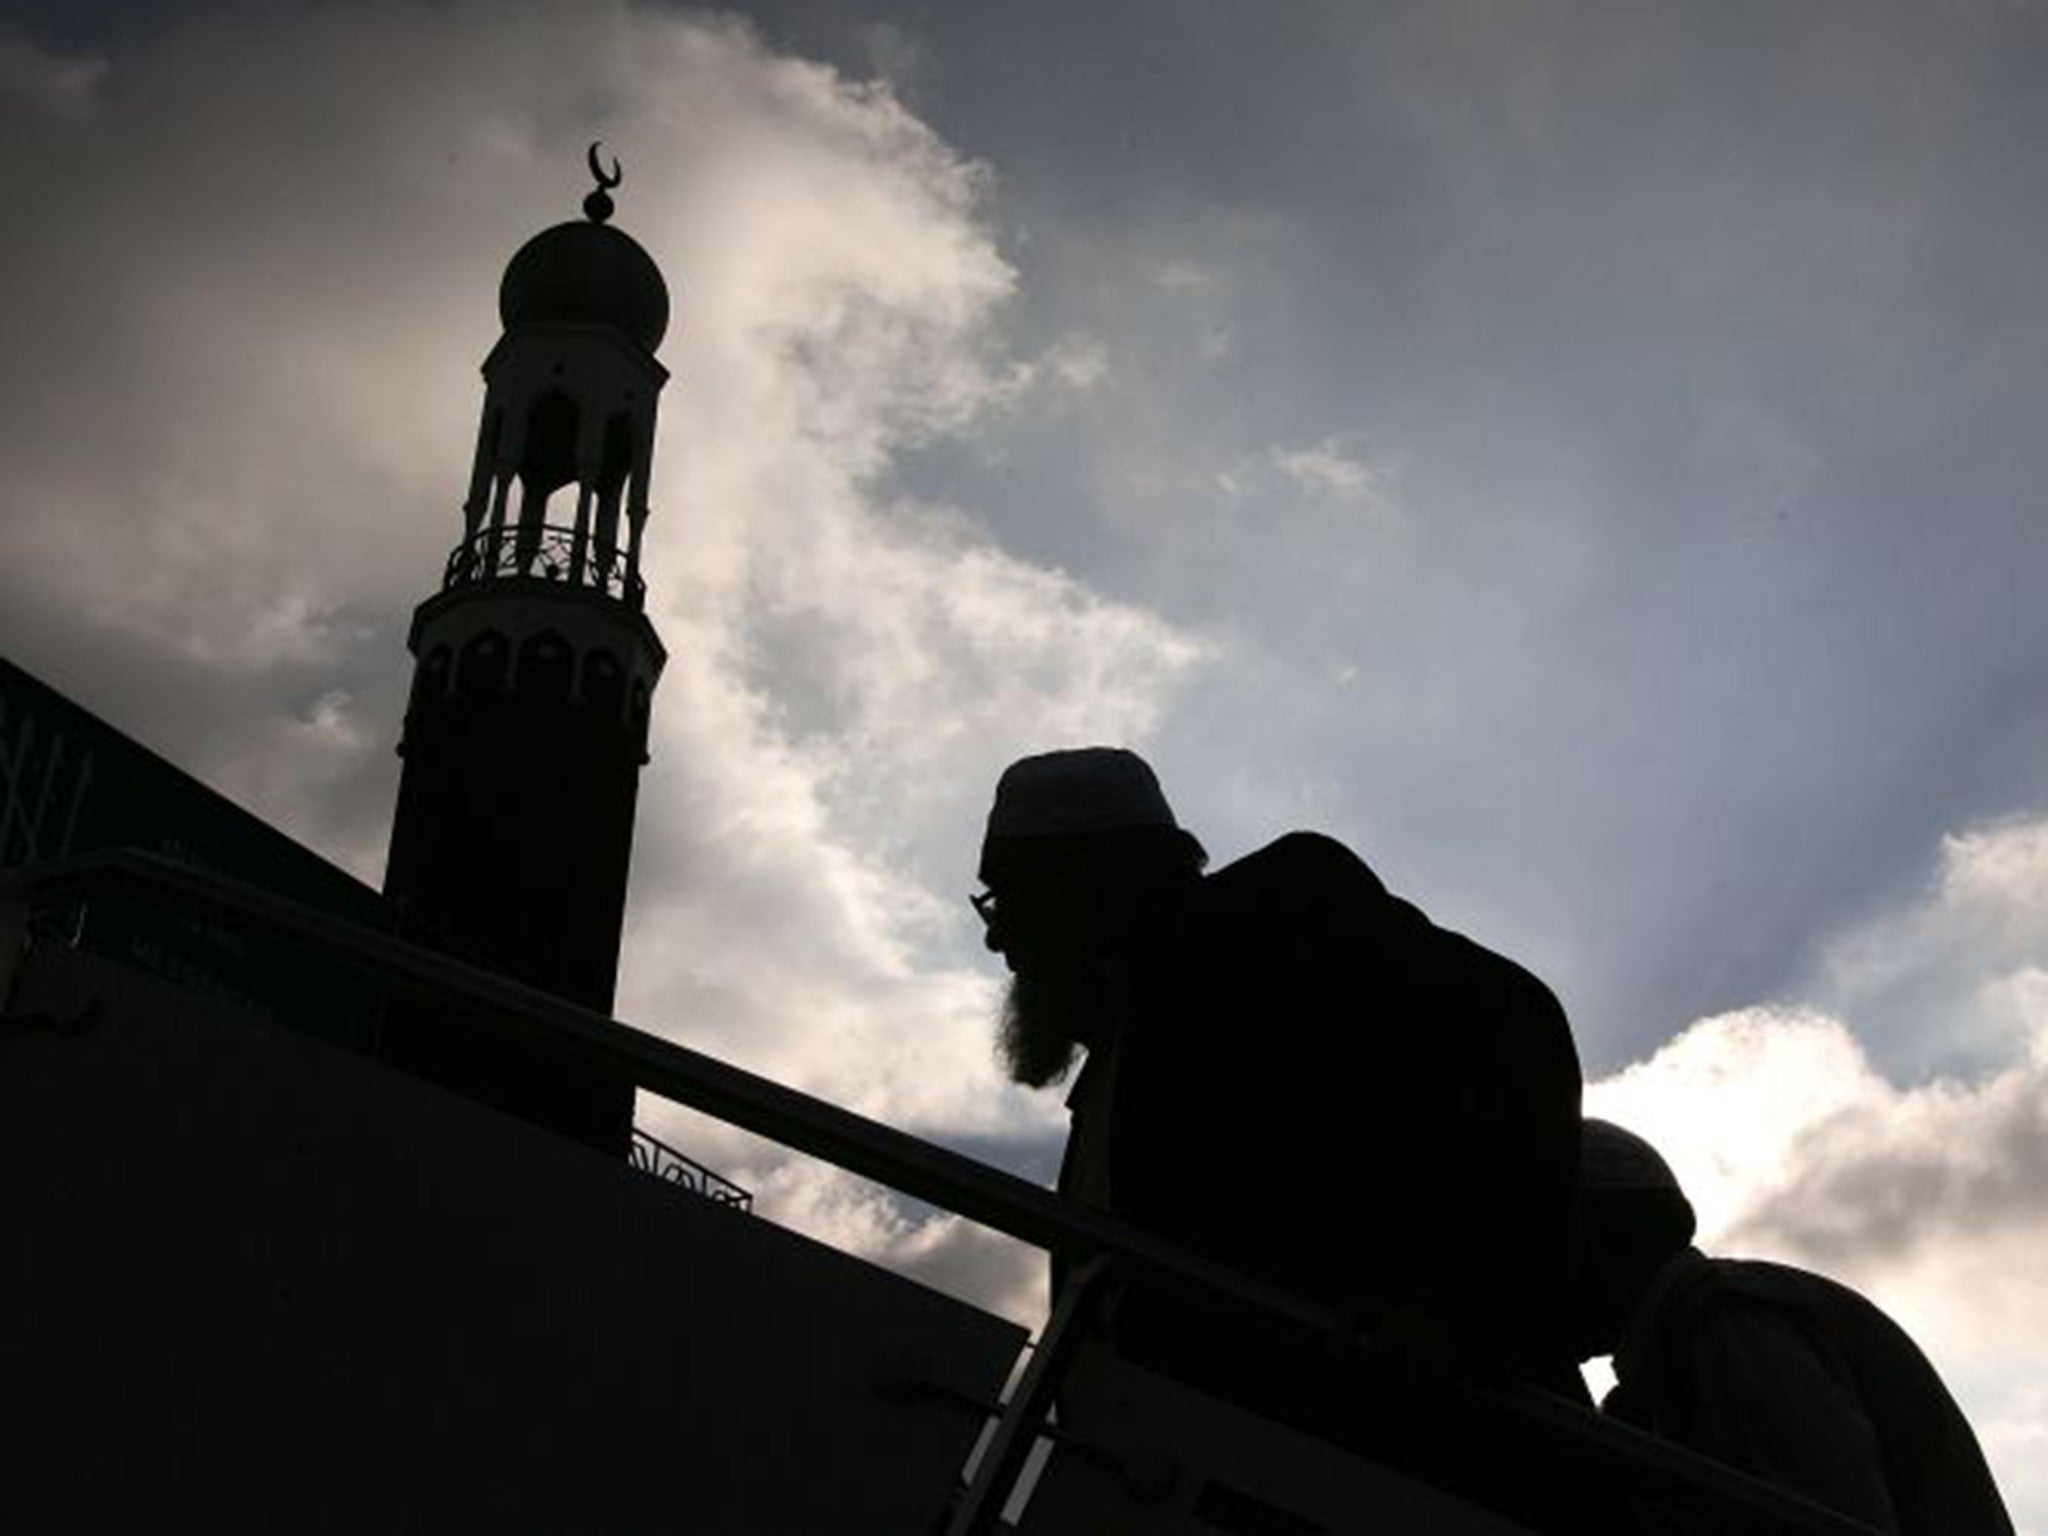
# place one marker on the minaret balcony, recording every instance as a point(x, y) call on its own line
point(545, 553)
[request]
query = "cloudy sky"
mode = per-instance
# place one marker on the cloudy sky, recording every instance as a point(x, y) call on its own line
point(1585, 455)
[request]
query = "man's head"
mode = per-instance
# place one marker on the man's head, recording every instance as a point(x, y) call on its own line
point(1632, 1217)
point(1077, 841)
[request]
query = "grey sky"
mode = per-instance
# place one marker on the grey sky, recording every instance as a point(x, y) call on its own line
point(1584, 455)
point(1700, 347)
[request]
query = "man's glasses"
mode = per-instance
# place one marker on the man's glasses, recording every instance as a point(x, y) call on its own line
point(984, 904)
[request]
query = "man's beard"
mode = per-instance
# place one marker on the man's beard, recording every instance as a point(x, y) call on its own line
point(1046, 1014)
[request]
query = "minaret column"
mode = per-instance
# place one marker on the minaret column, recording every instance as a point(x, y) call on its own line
point(535, 664)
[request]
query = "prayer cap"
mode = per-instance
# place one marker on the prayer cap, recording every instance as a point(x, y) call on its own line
point(1612, 1160)
point(1079, 790)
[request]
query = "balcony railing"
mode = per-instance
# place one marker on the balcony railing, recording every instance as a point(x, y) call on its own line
point(545, 553)
point(651, 1155)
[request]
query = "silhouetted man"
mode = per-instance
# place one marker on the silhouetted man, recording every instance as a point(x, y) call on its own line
point(1291, 1069)
point(1779, 1372)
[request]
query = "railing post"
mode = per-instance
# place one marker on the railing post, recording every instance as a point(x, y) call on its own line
point(579, 549)
point(13, 945)
point(495, 538)
point(1017, 1427)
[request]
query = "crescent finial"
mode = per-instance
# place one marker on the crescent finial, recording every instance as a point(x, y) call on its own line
point(597, 207)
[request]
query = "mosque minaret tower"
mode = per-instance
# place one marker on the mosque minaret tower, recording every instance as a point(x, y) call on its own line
point(535, 668)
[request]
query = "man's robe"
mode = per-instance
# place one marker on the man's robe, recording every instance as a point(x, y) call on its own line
point(1316, 1085)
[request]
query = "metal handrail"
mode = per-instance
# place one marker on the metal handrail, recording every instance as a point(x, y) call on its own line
point(984, 1195)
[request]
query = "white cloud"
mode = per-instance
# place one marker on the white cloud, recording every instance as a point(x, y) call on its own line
point(1332, 471)
point(1217, 342)
point(1956, 955)
point(1331, 475)
point(1730, 1098)
point(1930, 1195)
point(1079, 362)
point(241, 402)
point(296, 762)
point(1181, 275)
point(936, 1248)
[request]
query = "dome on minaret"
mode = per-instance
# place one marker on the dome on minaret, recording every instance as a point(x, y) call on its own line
point(587, 273)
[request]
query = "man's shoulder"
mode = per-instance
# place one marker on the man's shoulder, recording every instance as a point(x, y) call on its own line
point(1306, 864)
point(1301, 892)
point(1825, 1304)
point(1697, 1307)
point(1766, 1280)
point(1313, 884)
point(1723, 1295)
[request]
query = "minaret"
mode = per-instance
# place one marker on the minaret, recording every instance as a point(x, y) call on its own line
point(535, 666)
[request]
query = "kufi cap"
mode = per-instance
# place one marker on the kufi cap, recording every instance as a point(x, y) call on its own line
point(1612, 1161)
point(1082, 789)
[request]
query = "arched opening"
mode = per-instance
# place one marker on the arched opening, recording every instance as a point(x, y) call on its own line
point(547, 463)
point(477, 505)
point(615, 463)
point(485, 658)
point(547, 667)
point(636, 717)
point(604, 684)
point(430, 681)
